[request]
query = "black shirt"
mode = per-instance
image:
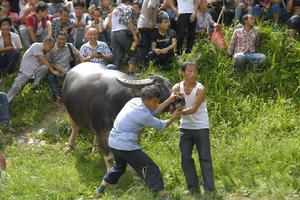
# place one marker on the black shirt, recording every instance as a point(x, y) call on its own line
point(163, 41)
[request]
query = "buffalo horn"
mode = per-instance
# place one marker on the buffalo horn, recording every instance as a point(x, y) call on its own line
point(135, 83)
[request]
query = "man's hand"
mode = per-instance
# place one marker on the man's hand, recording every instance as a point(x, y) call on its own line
point(193, 17)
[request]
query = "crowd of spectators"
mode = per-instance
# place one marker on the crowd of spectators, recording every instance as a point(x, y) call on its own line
point(57, 34)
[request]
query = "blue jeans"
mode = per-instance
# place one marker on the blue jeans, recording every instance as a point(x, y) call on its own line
point(140, 162)
point(4, 109)
point(200, 138)
point(240, 59)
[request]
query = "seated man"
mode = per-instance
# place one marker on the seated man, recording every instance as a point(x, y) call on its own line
point(243, 7)
point(60, 58)
point(293, 7)
point(38, 26)
point(268, 9)
point(163, 42)
point(63, 23)
point(10, 45)
point(80, 20)
point(34, 65)
point(123, 139)
point(96, 51)
point(243, 45)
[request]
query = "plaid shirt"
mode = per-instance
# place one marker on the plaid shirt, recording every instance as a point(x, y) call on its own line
point(125, 13)
point(56, 25)
point(243, 41)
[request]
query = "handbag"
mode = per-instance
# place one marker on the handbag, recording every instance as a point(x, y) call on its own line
point(73, 62)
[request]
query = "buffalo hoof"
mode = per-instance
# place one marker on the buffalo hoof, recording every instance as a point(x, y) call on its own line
point(69, 148)
point(2, 161)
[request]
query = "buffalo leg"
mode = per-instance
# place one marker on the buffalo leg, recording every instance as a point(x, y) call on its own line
point(75, 130)
point(103, 145)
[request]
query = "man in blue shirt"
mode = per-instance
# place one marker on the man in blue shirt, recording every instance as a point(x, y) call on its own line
point(123, 139)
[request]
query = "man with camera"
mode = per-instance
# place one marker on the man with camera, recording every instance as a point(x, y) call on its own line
point(96, 51)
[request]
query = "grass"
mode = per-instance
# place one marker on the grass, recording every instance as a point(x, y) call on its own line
point(255, 135)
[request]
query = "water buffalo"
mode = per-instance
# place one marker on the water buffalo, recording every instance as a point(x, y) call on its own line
point(94, 95)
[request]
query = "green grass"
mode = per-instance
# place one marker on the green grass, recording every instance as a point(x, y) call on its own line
point(255, 135)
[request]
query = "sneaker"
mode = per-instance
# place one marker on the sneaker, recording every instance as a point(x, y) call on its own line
point(58, 100)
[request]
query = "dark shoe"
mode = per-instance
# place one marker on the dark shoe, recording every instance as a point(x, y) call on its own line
point(35, 90)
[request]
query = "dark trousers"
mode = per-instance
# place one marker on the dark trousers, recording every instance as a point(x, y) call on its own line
point(8, 60)
point(145, 43)
point(185, 26)
point(164, 60)
point(188, 139)
point(4, 109)
point(141, 163)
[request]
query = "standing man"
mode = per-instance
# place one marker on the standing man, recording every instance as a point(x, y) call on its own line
point(123, 139)
point(34, 65)
point(194, 130)
point(60, 58)
point(186, 24)
point(125, 35)
point(243, 45)
point(146, 24)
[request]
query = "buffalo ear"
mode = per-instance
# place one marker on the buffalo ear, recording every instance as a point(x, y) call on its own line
point(136, 84)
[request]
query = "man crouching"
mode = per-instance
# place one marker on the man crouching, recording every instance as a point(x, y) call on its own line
point(123, 139)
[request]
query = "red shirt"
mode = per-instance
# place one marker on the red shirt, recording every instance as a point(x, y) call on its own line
point(32, 20)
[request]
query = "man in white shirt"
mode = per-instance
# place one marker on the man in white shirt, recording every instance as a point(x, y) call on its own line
point(10, 45)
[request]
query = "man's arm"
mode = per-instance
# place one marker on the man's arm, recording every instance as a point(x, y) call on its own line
point(45, 61)
point(31, 34)
point(170, 47)
point(150, 11)
point(200, 97)
point(166, 103)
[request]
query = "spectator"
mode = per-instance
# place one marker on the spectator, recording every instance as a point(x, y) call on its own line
point(96, 51)
point(80, 20)
point(243, 7)
point(215, 8)
point(7, 12)
point(125, 36)
point(136, 9)
point(163, 42)
point(293, 7)
point(26, 9)
point(63, 23)
point(95, 3)
point(38, 26)
point(97, 22)
point(55, 8)
point(170, 7)
point(204, 19)
point(14, 6)
point(243, 44)
point(10, 46)
point(268, 9)
point(146, 24)
point(60, 57)
point(186, 24)
point(34, 65)
point(194, 131)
